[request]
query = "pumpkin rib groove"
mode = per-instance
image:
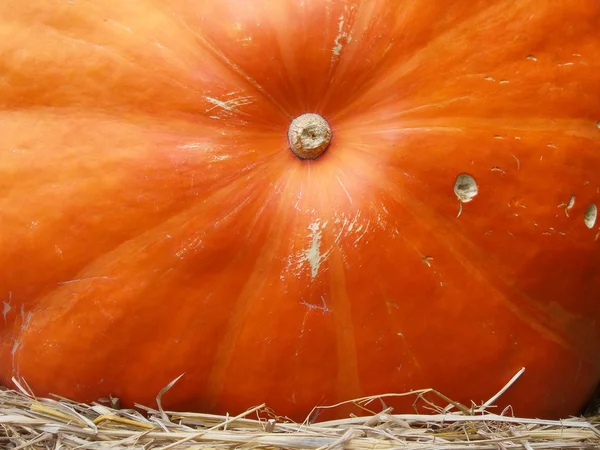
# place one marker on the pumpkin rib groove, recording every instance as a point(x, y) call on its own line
point(229, 65)
point(585, 129)
point(247, 295)
point(385, 88)
point(339, 52)
point(389, 115)
point(287, 72)
point(404, 67)
point(546, 323)
point(348, 383)
point(31, 170)
point(39, 323)
point(128, 55)
point(380, 63)
point(142, 235)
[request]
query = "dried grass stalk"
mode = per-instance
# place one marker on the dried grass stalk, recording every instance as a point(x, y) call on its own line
point(27, 422)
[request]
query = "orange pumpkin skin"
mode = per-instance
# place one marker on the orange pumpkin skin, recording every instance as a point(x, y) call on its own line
point(154, 222)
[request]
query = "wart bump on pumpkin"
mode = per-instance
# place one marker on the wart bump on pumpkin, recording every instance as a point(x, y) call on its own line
point(465, 187)
point(590, 216)
point(309, 136)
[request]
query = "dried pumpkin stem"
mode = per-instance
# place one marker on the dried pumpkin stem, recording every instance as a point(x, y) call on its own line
point(309, 136)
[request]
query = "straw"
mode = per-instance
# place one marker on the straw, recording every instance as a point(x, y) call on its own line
point(29, 422)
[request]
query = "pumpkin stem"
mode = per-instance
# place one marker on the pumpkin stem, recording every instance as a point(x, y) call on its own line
point(309, 136)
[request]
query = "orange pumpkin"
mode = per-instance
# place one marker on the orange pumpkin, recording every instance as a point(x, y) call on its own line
point(154, 220)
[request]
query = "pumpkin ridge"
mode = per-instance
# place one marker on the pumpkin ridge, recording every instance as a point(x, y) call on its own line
point(234, 68)
point(348, 381)
point(222, 362)
point(542, 319)
point(433, 87)
point(25, 169)
point(405, 66)
point(88, 270)
point(497, 127)
point(41, 323)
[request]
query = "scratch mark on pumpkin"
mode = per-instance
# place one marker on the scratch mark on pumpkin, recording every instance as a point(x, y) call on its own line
point(298, 199)
point(25, 318)
point(313, 253)
point(7, 307)
point(6, 310)
point(518, 162)
point(193, 244)
point(228, 105)
point(341, 36)
point(193, 146)
point(408, 349)
point(323, 307)
point(84, 279)
point(568, 205)
point(344, 188)
point(13, 354)
point(25, 322)
point(364, 232)
point(117, 24)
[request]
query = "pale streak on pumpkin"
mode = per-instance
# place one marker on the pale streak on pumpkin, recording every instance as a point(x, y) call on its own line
point(344, 188)
point(7, 307)
point(342, 35)
point(25, 322)
point(313, 254)
point(235, 68)
point(239, 314)
point(228, 105)
point(323, 308)
point(13, 355)
point(364, 230)
point(348, 372)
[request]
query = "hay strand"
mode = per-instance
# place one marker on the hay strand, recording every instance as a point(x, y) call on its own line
point(27, 422)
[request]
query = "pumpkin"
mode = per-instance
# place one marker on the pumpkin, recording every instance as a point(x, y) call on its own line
point(301, 202)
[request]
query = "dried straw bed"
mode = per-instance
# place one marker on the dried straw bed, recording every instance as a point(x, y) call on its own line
point(27, 422)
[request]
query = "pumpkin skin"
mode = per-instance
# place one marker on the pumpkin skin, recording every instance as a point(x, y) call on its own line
point(154, 222)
